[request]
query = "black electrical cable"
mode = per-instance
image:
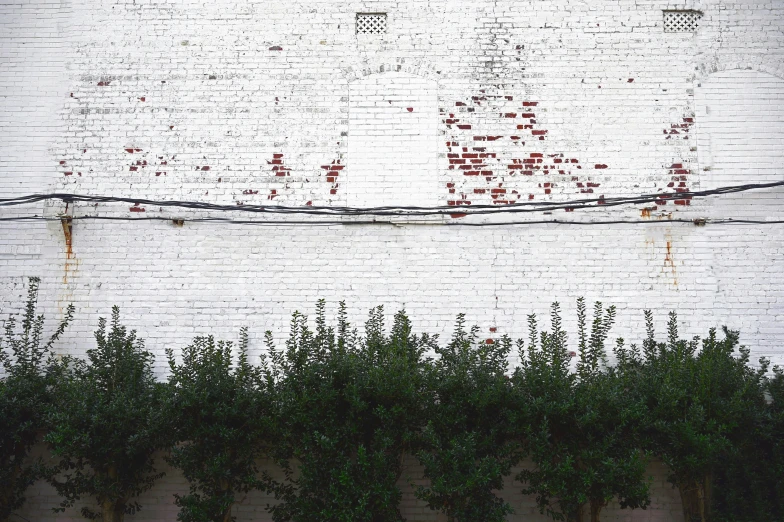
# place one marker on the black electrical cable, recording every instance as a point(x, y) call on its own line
point(523, 207)
point(626, 222)
point(698, 222)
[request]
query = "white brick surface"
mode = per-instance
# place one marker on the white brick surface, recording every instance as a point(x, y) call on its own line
point(393, 141)
point(282, 103)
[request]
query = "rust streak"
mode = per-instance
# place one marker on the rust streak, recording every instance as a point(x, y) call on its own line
point(669, 261)
point(70, 262)
point(67, 223)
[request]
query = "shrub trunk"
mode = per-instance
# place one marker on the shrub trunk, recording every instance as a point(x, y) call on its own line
point(112, 511)
point(596, 508)
point(696, 499)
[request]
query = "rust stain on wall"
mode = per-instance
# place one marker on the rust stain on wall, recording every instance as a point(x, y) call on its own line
point(648, 213)
point(70, 262)
point(67, 224)
point(669, 261)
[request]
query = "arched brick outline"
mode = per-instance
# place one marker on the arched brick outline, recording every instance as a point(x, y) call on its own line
point(415, 67)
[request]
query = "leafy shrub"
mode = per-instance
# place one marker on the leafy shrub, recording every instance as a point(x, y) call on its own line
point(25, 391)
point(579, 431)
point(775, 441)
point(220, 413)
point(749, 483)
point(349, 407)
point(338, 411)
point(106, 424)
point(465, 447)
point(700, 405)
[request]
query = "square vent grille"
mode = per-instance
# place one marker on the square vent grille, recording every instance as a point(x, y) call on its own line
point(681, 21)
point(371, 23)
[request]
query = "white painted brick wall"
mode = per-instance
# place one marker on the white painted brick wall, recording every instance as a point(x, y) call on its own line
point(393, 141)
point(270, 103)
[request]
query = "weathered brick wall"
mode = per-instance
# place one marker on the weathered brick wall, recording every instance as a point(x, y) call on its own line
point(460, 104)
point(158, 505)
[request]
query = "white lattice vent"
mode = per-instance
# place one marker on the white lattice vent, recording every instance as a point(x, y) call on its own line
point(371, 23)
point(681, 21)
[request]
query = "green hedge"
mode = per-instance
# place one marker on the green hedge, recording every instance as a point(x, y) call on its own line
point(336, 409)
